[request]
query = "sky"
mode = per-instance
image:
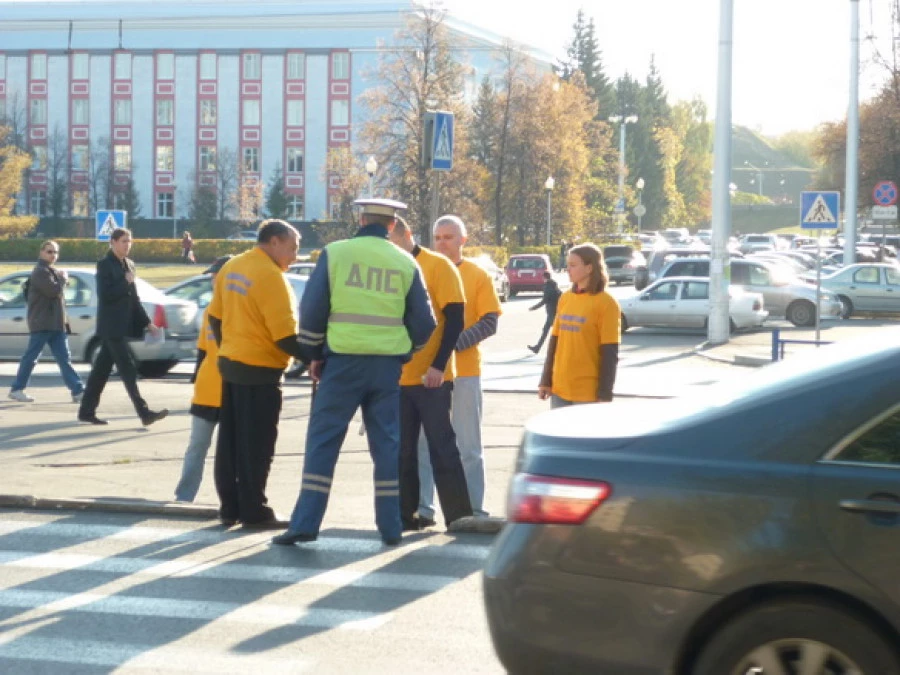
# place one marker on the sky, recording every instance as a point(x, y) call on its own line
point(791, 58)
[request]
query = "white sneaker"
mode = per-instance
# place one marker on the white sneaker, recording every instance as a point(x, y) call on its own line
point(20, 396)
point(76, 398)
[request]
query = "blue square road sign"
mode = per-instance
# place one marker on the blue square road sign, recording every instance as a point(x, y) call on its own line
point(107, 221)
point(820, 210)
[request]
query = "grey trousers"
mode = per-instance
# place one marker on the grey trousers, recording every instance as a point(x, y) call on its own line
point(194, 459)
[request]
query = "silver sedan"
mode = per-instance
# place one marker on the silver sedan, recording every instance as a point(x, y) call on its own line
point(683, 302)
point(866, 287)
point(177, 317)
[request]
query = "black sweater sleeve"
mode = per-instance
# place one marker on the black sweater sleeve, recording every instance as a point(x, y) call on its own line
point(453, 325)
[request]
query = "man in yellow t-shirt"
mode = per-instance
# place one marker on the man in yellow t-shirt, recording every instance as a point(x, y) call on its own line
point(253, 315)
point(480, 322)
point(205, 404)
point(426, 390)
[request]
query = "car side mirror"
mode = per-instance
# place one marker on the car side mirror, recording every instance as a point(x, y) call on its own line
point(645, 296)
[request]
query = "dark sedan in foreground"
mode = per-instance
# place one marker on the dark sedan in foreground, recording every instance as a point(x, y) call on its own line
point(750, 529)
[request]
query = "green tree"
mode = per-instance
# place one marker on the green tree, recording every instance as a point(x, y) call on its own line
point(276, 198)
point(203, 211)
point(13, 162)
point(583, 55)
point(693, 171)
point(419, 74)
point(129, 200)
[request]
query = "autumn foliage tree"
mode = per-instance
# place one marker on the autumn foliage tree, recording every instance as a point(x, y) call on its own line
point(13, 162)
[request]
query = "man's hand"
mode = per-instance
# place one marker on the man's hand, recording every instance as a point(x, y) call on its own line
point(129, 277)
point(64, 276)
point(153, 329)
point(433, 379)
point(315, 370)
point(544, 393)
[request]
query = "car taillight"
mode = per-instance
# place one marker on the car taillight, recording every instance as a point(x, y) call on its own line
point(159, 316)
point(554, 501)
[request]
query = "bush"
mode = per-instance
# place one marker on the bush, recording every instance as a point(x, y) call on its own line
point(144, 250)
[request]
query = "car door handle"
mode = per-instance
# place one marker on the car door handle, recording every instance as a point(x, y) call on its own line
point(870, 506)
point(18, 318)
point(85, 316)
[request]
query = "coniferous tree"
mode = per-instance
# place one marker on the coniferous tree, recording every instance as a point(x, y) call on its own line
point(276, 198)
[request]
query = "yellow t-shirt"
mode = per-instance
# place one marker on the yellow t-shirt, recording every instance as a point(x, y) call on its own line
point(481, 299)
point(208, 386)
point(444, 287)
point(583, 323)
point(257, 307)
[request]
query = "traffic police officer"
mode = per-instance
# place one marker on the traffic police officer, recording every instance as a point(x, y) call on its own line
point(426, 389)
point(253, 315)
point(365, 308)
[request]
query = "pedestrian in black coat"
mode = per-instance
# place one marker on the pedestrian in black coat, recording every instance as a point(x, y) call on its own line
point(549, 301)
point(120, 317)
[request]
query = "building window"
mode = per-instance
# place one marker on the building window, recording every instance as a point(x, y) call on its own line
point(122, 67)
point(165, 205)
point(251, 160)
point(165, 112)
point(122, 155)
point(296, 66)
point(39, 158)
point(340, 65)
point(251, 66)
point(165, 158)
point(123, 111)
point(295, 112)
point(80, 158)
point(340, 113)
point(80, 203)
point(207, 158)
point(294, 160)
point(120, 200)
point(207, 66)
point(334, 208)
point(80, 111)
point(80, 69)
point(165, 66)
point(208, 112)
point(295, 208)
point(38, 66)
point(251, 112)
point(39, 203)
point(2, 66)
point(38, 111)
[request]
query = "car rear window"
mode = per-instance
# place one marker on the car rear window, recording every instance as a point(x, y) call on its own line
point(618, 252)
point(526, 264)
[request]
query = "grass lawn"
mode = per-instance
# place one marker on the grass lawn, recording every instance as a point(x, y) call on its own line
point(161, 276)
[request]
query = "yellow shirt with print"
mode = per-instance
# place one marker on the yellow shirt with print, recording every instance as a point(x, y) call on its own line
point(583, 323)
point(444, 287)
point(208, 385)
point(481, 299)
point(257, 307)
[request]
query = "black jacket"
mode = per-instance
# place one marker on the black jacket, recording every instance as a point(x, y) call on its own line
point(120, 313)
point(551, 297)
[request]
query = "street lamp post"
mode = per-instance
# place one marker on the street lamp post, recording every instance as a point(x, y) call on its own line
point(548, 186)
point(371, 168)
point(640, 207)
point(622, 120)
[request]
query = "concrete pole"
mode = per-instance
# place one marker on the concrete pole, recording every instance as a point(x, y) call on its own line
point(621, 200)
point(718, 329)
point(549, 213)
point(852, 185)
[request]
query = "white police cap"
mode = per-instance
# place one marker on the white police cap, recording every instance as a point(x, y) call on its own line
point(380, 207)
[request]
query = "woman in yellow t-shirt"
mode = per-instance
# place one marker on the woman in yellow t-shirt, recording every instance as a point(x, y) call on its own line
point(584, 345)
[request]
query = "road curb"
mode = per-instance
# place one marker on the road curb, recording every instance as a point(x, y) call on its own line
point(702, 350)
point(109, 505)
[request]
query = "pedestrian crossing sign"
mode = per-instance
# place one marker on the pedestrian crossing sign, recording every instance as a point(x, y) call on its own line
point(107, 221)
point(820, 210)
point(442, 142)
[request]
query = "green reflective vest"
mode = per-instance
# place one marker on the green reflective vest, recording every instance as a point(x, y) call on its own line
point(369, 279)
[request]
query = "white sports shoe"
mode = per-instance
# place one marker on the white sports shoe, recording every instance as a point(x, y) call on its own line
point(20, 396)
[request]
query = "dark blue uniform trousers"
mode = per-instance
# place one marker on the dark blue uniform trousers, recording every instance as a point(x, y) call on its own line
point(349, 382)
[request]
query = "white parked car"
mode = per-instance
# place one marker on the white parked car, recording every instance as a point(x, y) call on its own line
point(177, 316)
point(683, 302)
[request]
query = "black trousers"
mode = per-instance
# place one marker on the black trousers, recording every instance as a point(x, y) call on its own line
point(112, 351)
point(248, 429)
point(548, 324)
point(428, 410)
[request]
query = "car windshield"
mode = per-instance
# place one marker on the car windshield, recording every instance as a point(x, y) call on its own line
point(526, 264)
point(617, 252)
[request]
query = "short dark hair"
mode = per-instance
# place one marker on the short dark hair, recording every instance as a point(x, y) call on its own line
point(274, 227)
point(118, 233)
point(547, 275)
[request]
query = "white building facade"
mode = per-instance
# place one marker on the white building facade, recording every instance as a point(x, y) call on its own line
point(167, 89)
